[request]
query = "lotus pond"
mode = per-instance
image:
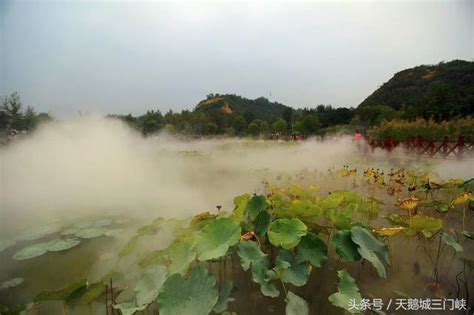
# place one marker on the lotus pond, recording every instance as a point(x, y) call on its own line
point(303, 242)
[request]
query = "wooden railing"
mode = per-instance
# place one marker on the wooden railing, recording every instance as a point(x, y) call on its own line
point(460, 149)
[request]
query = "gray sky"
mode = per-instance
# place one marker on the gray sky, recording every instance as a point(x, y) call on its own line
point(120, 57)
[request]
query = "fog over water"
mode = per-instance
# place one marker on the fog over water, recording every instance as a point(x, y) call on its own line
point(94, 165)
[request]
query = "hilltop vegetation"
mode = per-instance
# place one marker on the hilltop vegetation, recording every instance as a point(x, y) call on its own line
point(442, 91)
point(260, 107)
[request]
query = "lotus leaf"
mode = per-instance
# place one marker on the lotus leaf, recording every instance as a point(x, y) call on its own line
point(194, 295)
point(216, 237)
point(370, 248)
point(255, 205)
point(32, 251)
point(181, 255)
point(262, 222)
point(291, 269)
point(313, 250)
point(149, 285)
point(296, 305)
point(345, 247)
point(347, 291)
point(90, 232)
point(88, 294)
point(224, 297)
point(63, 294)
point(129, 308)
point(426, 225)
point(449, 240)
point(62, 244)
point(39, 232)
point(11, 283)
point(4, 244)
point(286, 233)
point(240, 203)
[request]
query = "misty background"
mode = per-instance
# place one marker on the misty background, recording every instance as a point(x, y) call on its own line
point(127, 57)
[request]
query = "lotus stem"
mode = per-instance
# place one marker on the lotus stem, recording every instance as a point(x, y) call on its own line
point(284, 288)
point(106, 300)
point(464, 217)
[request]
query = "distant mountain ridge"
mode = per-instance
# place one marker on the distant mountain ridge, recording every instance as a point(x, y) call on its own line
point(426, 86)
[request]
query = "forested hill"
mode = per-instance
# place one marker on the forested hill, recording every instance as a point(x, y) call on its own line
point(260, 107)
point(446, 89)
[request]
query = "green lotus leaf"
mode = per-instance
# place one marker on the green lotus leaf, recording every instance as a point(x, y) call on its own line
point(374, 260)
point(255, 205)
point(286, 233)
point(32, 251)
point(129, 308)
point(70, 231)
point(195, 295)
point(369, 209)
point(426, 225)
point(296, 305)
point(62, 244)
point(291, 270)
point(91, 232)
point(352, 196)
point(340, 219)
point(347, 291)
point(345, 247)
point(262, 222)
point(260, 269)
point(240, 204)
point(153, 258)
point(181, 254)
point(149, 285)
point(364, 238)
point(332, 201)
point(370, 248)
point(249, 253)
point(214, 240)
point(201, 219)
point(150, 229)
point(312, 249)
point(16, 310)
point(251, 256)
point(397, 220)
point(11, 283)
point(224, 297)
point(39, 232)
point(130, 247)
point(468, 182)
point(442, 207)
point(88, 294)
point(468, 234)
point(296, 191)
point(304, 209)
point(449, 240)
point(269, 289)
point(63, 294)
point(4, 244)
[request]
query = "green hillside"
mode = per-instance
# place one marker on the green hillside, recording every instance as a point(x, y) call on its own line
point(260, 107)
point(444, 91)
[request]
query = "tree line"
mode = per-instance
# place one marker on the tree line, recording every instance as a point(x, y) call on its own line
point(15, 117)
point(321, 120)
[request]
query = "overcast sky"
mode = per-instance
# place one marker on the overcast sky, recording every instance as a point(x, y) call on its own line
point(121, 57)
